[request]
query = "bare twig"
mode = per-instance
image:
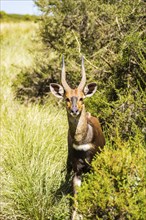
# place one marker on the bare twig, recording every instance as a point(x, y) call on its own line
point(117, 21)
point(79, 45)
point(107, 63)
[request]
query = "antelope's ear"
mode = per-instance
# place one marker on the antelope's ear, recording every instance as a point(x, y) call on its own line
point(90, 89)
point(57, 90)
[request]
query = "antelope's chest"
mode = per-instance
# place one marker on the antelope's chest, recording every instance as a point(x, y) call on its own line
point(83, 147)
point(82, 157)
point(83, 153)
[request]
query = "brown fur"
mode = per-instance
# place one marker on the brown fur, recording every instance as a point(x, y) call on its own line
point(75, 93)
point(99, 139)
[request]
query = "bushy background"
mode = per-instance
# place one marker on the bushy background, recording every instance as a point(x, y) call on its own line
point(111, 36)
point(4, 17)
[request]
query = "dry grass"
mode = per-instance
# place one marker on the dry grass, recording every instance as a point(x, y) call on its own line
point(6, 26)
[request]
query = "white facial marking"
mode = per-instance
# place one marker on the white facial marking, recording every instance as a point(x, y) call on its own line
point(74, 115)
point(83, 147)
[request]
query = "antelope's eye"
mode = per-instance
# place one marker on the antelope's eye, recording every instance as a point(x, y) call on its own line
point(81, 99)
point(67, 100)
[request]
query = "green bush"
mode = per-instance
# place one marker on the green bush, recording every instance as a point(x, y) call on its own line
point(4, 17)
point(116, 187)
point(110, 34)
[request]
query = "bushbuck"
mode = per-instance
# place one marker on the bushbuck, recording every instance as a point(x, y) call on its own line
point(85, 137)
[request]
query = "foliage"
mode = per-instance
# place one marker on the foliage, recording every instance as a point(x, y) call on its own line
point(4, 17)
point(116, 187)
point(125, 114)
point(110, 34)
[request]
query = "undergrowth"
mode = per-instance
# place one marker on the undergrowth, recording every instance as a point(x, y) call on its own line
point(116, 187)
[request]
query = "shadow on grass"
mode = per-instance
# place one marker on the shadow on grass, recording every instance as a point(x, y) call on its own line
point(65, 187)
point(66, 190)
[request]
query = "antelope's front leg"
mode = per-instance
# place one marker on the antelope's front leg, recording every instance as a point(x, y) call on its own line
point(68, 167)
point(76, 184)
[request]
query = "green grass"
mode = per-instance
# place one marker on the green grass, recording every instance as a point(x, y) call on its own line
point(34, 149)
point(33, 140)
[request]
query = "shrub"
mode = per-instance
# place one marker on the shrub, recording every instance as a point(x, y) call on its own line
point(116, 187)
point(110, 34)
point(4, 17)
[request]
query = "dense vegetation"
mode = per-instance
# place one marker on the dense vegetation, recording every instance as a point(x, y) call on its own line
point(4, 17)
point(111, 36)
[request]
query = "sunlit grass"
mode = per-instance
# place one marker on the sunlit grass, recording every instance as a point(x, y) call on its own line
point(34, 153)
point(15, 45)
point(17, 26)
point(33, 139)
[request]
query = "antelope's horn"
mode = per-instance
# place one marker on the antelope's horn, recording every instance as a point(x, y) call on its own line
point(83, 80)
point(63, 76)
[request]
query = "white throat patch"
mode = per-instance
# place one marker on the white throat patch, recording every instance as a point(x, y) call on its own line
point(83, 147)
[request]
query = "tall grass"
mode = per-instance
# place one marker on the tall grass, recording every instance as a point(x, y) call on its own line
point(33, 140)
point(34, 150)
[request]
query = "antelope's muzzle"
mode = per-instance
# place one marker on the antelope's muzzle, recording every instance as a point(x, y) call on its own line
point(74, 108)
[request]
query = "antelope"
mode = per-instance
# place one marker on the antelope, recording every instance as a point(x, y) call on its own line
point(85, 137)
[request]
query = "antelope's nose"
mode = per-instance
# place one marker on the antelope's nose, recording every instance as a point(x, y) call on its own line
point(74, 110)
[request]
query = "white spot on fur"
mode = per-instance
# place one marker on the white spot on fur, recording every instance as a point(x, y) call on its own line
point(83, 147)
point(77, 181)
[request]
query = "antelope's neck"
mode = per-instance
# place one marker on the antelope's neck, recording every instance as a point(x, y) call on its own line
point(78, 127)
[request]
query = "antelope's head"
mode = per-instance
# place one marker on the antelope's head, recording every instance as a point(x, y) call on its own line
point(73, 97)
